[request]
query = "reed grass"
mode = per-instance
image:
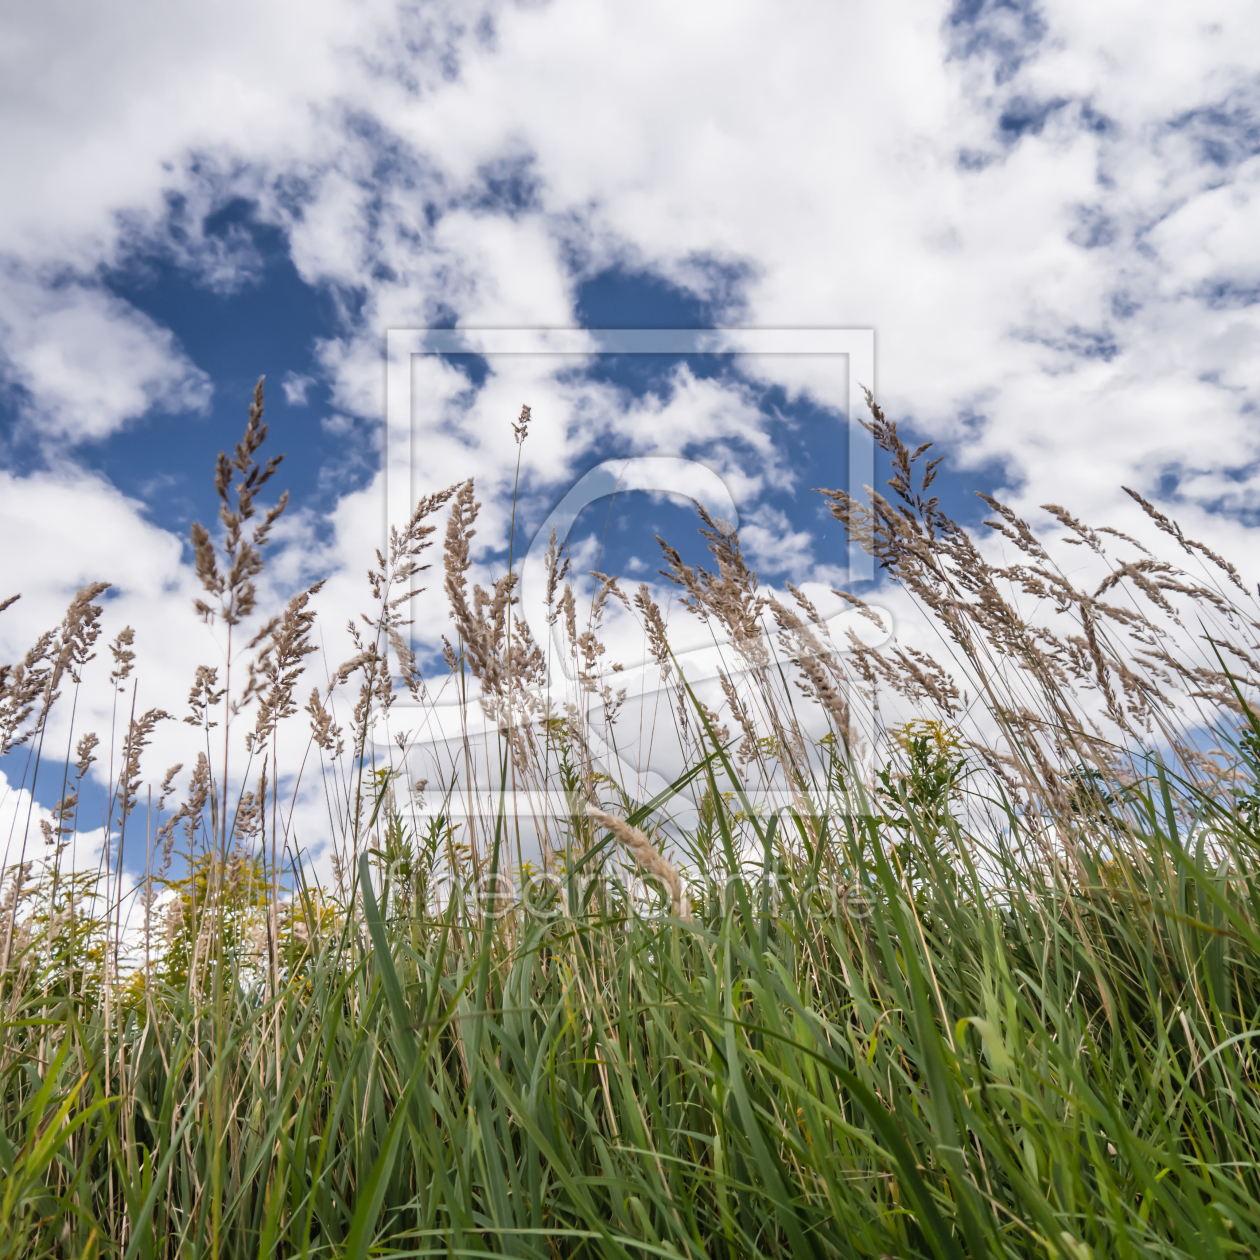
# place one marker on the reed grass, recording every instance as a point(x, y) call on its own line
point(981, 984)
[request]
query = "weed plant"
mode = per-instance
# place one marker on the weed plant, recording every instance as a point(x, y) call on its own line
point(982, 983)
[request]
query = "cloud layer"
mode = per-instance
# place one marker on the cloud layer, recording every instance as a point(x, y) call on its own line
point(1045, 211)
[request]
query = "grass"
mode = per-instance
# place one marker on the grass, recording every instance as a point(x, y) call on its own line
point(986, 990)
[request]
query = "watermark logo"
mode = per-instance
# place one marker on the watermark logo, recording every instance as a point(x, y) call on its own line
point(551, 895)
point(849, 352)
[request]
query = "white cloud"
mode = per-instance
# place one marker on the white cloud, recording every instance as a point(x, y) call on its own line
point(21, 817)
point(126, 128)
point(87, 362)
point(337, 425)
point(296, 387)
point(773, 547)
point(1041, 290)
point(841, 197)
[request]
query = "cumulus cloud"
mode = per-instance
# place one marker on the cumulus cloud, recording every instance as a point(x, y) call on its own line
point(83, 362)
point(1037, 234)
point(126, 130)
point(774, 546)
point(1051, 248)
point(296, 387)
point(1001, 191)
point(21, 815)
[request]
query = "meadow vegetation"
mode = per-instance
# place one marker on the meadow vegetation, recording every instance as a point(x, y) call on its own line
point(938, 954)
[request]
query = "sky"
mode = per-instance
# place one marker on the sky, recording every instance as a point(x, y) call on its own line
point(1046, 212)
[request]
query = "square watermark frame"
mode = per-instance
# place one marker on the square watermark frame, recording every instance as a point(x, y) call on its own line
point(659, 473)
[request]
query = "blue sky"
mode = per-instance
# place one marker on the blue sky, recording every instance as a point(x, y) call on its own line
point(269, 321)
point(1047, 212)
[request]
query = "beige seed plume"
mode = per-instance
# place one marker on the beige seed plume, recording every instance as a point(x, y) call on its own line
point(646, 855)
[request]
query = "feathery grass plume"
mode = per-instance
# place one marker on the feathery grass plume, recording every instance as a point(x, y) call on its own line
point(228, 575)
point(654, 626)
point(822, 679)
point(556, 573)
point(63, 813)
point(139, 733)
point(1189, 545)
point(496, 647)
point(279, 666)
point(324, 731)
point(405, 548)
point(204, 697)
point(28, 692)
point(649, 857)
point(1035, 674)
point(190, 811)
point(24, 688)
point(459, 533)
point(729, 596)
point(742, 714)
point(124, 657)
point(250, 816)
point(238, 479)
point(79, 631)
point(588, 647)
point(392, 584)
point(86, 752)
point(568, 609)
point(520, 429)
